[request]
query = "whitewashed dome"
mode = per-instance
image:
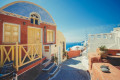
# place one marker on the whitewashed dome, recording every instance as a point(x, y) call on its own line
point(77, 48)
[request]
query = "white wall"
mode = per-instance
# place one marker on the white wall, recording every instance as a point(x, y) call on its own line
point(110, 40)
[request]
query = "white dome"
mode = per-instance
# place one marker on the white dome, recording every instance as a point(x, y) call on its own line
point(77, 48)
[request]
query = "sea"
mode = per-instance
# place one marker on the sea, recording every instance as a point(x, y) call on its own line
point(71, 44)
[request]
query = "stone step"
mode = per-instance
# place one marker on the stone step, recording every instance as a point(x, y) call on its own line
point(54, 70)
point(46, 62)
point(49, 67)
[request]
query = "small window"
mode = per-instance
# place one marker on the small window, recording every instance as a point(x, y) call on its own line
point(31, 20)
point(98, 36)
point(105, 36)
point(50, 36)
point(34, 19)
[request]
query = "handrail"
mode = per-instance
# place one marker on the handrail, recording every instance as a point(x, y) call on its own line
point(21, 54)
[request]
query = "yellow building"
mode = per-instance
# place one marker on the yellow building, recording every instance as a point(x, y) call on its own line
point(61, 46)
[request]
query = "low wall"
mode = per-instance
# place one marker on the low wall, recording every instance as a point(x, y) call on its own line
point(73, 53)
point(97, 74)
point(113, 51)
point(109, 51)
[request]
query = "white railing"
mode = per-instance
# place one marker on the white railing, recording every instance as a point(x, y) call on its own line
point(101, 36)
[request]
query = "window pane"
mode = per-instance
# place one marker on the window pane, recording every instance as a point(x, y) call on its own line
point(36, 21)
point(31, 20)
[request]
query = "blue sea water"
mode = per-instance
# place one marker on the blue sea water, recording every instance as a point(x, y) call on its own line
point(69, 45)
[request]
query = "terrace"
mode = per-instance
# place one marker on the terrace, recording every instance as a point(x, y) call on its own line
point(112, 61)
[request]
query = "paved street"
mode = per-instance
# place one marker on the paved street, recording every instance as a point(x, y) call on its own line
point(72, 69)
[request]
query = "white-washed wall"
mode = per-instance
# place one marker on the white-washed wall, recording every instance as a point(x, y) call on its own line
point(97, 40)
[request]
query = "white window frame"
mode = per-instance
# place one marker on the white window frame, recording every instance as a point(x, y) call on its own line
point(39, 17)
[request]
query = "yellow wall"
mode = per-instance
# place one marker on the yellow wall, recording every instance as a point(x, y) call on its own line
point(59, 42)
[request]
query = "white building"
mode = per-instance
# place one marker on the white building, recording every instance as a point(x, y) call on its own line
point(110, 40)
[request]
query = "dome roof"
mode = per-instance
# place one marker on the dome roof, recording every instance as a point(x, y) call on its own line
point(77, 47)
point(25, 8)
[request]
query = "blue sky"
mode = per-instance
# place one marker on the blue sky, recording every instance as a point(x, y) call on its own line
point(77, 18)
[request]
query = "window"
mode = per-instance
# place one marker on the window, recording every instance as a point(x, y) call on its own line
point(31, 20)
point(98, 36)
point(50, 36)
point(34, 19)
point(105, 36)
point(11, 33)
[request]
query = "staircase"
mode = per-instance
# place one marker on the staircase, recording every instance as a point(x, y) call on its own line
point(48, 71)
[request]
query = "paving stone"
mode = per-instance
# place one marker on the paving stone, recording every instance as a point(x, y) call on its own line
point(72, 69)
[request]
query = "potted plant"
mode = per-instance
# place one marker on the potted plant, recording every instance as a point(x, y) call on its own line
point(64, 53)
point(103, 51)
point(55, 59)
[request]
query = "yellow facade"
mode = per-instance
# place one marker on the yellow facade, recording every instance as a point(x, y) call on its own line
point(61, 42)
point(50, 36)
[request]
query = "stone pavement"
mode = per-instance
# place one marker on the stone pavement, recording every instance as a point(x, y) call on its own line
point(72, 69)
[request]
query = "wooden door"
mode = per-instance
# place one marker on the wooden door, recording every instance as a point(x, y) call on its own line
point(34, 37)
point(37, 36)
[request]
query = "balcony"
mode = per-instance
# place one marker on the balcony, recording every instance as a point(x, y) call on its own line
point(21, 54)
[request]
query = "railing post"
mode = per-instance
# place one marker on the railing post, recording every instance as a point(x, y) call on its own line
point(20, 55)
point(16, 55)
point(32, 52)
point(13, 53)
point(1, 55)
point(40, 50)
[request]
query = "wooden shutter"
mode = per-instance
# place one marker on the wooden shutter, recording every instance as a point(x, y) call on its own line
point(34, 35)
point(50, 36)
point(15, 33)
point(31, 36)
point(7, 33)
point(11, 33)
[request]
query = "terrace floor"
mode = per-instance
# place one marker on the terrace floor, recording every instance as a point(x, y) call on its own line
point(72, 69)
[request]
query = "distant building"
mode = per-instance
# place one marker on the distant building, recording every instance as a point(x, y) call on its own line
point(110, 40)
